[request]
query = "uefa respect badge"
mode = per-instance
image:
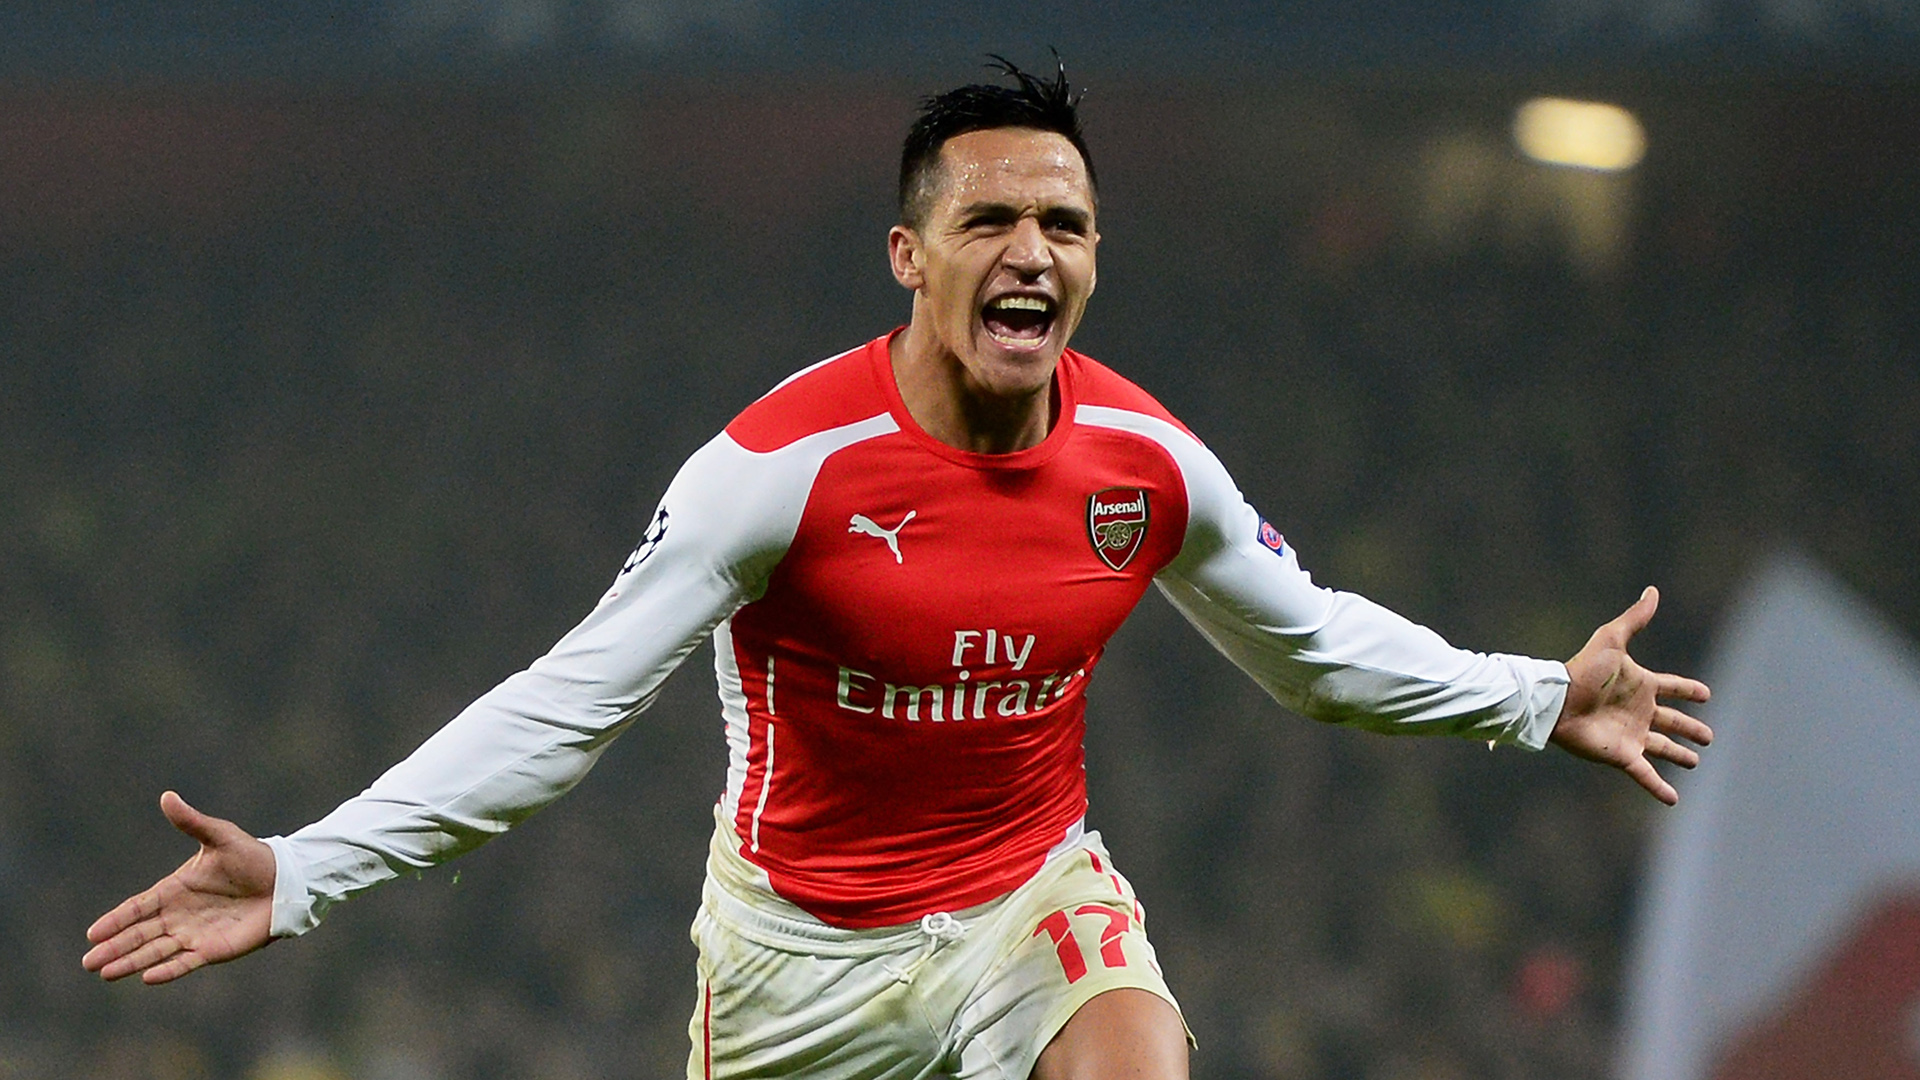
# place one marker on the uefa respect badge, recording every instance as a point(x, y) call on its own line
point(1117, 524)
point(1271, 539)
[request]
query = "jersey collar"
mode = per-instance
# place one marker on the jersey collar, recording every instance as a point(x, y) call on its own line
point(879, 360)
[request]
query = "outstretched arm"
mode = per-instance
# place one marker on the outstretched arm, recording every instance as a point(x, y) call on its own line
point(1613, 713)
point(1340, 658)
point(515, 749)
point(1334, 656)
point(215, 908)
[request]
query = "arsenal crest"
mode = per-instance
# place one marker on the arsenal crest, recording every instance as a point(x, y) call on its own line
point(1117, 524)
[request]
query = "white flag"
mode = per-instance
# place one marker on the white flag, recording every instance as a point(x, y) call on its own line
point(1779, 934)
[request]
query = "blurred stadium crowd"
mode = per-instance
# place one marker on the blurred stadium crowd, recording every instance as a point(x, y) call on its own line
point(326, 410)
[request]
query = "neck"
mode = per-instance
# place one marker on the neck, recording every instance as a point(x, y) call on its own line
point(953, 407)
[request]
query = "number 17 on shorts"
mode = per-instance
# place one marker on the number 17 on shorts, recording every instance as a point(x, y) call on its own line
point(1088, 937)
point(1073, 954)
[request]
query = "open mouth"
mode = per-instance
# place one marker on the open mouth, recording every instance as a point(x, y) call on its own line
point(1018, 321)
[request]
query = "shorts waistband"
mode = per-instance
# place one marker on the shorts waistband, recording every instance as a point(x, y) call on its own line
point(771, 921)
point(812, 937)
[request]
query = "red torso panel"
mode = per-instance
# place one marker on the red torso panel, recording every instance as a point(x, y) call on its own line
point(917, 665)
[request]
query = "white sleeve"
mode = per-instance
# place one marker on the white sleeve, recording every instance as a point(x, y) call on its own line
point(725, 521)
point(1329, 655)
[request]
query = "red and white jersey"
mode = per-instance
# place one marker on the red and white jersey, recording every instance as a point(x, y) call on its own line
point(904, 635)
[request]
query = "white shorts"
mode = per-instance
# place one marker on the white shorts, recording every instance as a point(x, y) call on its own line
point(971, 994)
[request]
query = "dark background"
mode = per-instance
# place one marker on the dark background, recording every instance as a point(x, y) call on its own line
point(347, 350)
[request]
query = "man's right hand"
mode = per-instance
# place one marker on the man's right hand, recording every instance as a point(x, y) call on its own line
point(218, 906)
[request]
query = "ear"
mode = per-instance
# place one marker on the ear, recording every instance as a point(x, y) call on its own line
point(904, 255)
point(1093, 279)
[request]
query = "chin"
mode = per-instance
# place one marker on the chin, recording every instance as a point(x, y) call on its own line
point(1017, 373)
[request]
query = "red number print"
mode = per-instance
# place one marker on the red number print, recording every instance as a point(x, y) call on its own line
point(1060, 928)
point(1110, 954)
point(1057, 928)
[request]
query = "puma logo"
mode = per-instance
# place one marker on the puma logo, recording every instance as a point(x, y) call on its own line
point(861, 523)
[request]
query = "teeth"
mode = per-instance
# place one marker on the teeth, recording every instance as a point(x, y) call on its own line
point(1021, 303)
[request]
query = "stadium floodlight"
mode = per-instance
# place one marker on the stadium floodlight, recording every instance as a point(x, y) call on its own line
point(1581, 134)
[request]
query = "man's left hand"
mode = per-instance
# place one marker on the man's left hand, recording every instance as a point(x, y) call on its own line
point(1613, 713)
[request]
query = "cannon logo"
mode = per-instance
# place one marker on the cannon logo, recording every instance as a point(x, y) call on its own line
point(1117, 524)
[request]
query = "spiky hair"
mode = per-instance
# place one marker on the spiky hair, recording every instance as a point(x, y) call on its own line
point(1041, 104)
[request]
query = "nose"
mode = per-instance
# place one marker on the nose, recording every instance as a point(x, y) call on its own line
point(1027, 250)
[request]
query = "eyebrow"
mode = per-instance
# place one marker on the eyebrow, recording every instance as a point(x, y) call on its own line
point(1071, 214)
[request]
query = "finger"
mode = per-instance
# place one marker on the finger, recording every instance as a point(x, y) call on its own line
point(1671, 721)
point(1616, 632)
point(1644, 774)
point(187, 819)
point(1635, 618)
point(173, 968)
point(205, 828)
point(144, 957)
point(1679, 686)
point(1666, 749)
point(121, 944)
point(129, 911)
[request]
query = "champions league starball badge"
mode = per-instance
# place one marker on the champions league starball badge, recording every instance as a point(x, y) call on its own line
point(1117, 524)
point(656, 532)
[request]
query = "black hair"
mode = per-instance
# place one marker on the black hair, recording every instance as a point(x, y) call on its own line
point(1041, 104)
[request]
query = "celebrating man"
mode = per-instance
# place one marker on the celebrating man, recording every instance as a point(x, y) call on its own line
point(910, 558)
